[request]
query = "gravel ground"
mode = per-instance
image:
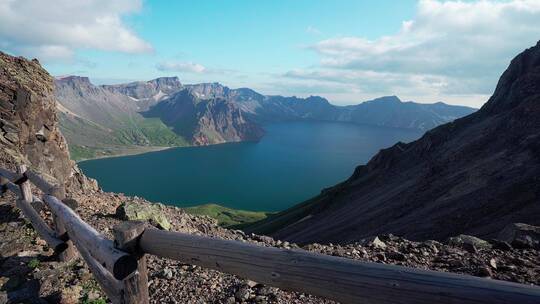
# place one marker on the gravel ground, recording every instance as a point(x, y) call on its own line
point(30, 273)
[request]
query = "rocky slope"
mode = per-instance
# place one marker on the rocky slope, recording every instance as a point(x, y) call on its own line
point(474, 176)
point(148, 93)
point(30, 272)
point(28, 123)
point(387, 111)
point(205, 120)
point(98, 121)
point(109, 119)
point(134, 117)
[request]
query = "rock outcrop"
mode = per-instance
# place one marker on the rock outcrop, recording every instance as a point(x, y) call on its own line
point(205, 119)
point(471, 176)
point(153, 213)
point(148, 93)
point(28, 123)
point(521, 235)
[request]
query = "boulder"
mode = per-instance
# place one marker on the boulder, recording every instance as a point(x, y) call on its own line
point(130, 211)
point(468, 242)
point(521, 235)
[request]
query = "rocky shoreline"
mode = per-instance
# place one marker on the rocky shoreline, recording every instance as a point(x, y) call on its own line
point(29, 272)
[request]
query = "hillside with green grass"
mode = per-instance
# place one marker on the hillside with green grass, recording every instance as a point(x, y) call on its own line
point(227, 217)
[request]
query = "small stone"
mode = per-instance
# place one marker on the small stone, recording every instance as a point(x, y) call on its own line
point(167, 273)
point(493, 263)
point(40, 242)
point(377, 243)
point(251, 283)
point(242, 294)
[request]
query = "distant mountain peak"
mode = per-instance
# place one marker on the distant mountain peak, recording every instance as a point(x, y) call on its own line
point(74, 79)
point(387, 99)
point(172, 80)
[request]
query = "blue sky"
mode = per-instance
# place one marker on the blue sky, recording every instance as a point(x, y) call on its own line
point(346, 50)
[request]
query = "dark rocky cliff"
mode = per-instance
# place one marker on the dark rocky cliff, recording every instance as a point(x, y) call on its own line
point(474, 175)
point(28, 123)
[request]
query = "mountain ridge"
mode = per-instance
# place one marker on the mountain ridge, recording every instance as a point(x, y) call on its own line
point(470, 176)
point(110, 119)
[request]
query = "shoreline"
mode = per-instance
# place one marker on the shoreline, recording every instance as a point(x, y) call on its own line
point(133, 151)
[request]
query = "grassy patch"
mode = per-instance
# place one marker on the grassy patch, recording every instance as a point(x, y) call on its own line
point(81, 152)
point(33, 264)
point(227, 217)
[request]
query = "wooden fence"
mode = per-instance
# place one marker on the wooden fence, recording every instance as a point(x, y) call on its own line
point(120, 265)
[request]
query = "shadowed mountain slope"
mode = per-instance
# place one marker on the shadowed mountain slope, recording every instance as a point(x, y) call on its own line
point(474, 175)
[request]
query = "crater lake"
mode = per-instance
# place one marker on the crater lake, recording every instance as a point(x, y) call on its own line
point(291, 163)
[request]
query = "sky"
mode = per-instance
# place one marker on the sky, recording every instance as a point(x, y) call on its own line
point(348, 51)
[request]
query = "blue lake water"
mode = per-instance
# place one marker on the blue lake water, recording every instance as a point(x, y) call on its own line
point(292, 162)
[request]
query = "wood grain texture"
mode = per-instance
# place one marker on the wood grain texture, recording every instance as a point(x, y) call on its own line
point(108, 283)
point(41, 183)
point(119, 263)
point(135, 286)
point(340, 279)
point(44, 231)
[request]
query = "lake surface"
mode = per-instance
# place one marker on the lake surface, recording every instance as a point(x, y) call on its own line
point(291, 163)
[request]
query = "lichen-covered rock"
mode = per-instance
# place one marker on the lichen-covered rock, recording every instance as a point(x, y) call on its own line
point(521, 235)
point(465, 241)
point(130, 211)
point(29, 131)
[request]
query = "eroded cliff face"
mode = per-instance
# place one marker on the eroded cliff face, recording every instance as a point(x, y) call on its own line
point(29, 131)
point(204, 119)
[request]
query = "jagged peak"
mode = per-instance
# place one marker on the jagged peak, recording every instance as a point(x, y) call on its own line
point(520, 82)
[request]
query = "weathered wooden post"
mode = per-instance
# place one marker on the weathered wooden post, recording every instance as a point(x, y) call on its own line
point(70, 253)
point(24, 204)
point(126, 238)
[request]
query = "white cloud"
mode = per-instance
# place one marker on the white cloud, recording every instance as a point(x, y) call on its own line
point(185, 67)
point(55, 29)
point(450, 48)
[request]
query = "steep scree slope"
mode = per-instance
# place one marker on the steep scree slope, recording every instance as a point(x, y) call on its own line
point(473, 175)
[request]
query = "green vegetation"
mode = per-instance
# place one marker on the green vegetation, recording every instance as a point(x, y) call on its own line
point(33, 264)
point(85, 300)
point(228, 217)
point(130, 135)
point(82, 152)
point(90, 286)
point(148, 131)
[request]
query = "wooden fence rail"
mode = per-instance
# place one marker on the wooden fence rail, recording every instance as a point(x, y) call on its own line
point(120, 266)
